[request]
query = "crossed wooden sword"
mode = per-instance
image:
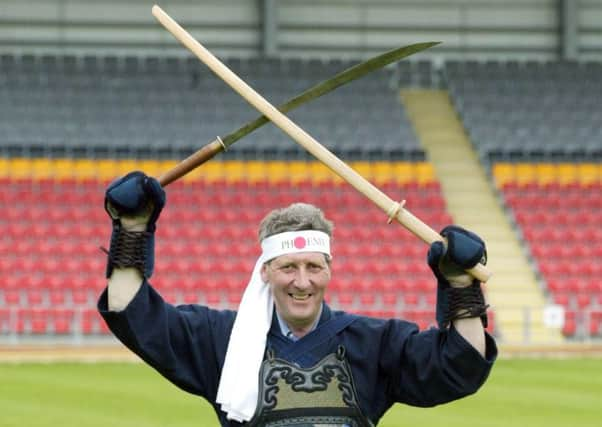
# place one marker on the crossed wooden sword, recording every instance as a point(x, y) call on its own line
point(393, 209)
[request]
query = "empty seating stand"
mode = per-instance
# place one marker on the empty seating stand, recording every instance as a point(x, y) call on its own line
point(166, 107)
point(529, 111)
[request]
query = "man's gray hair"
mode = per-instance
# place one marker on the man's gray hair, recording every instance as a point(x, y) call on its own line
point(296, 217)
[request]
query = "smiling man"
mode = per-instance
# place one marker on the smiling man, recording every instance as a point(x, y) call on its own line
point(298, 282)
point(284, 358)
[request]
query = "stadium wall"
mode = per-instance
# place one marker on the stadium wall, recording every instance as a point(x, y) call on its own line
point(468, 28)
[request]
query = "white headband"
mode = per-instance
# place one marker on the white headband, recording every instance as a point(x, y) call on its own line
point(239, 387)
point(291, 242)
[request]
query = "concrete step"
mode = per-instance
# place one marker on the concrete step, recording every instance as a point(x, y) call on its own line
point(510, 292)
point(507, 304)
point(461, 199)
point(531, 336)
point(512, 266)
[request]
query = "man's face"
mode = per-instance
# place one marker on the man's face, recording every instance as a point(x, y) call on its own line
point(298, 282)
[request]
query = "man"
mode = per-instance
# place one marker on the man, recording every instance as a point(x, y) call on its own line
point(284, 357)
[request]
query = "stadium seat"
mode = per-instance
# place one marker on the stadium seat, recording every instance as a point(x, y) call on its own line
point(11, 298)
point(570, 328)
point(367, 300)
point(190, 298)
point(213, 299)
point(34, 298)
point(345, 300)
point(583, 301)
point(56, 298)
point(562, 299)
point(389, 299)
point(411, 299)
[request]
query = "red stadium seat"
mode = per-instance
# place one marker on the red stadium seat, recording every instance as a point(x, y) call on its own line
point(90, 320)
point(37, 319)
point(367, 299)
point(80, 297)
point(213, 299)
point(190, 298)
point(56, 298)
point(555, 285)
point(233, 298)
point(345, 299)
point(424, 283)
point(562, 299)
point(593, 286)
point(583, 301)
point(389, 299)
point(594, 328)
point(569, 328)
point(38, 326)
point(34, 298)
point(11, 297)
point(411, 299)
point(62, 320)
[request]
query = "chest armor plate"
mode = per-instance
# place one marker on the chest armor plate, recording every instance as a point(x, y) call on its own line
point(320, 396)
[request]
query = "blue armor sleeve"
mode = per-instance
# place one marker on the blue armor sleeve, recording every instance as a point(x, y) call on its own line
point(186, 344)
point(439, 366)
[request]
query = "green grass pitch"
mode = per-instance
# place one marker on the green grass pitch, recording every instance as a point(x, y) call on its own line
point(525, 392)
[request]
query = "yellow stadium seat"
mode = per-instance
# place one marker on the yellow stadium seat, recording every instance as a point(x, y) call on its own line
point(425, 173)
point(525, 173)
point(298, 172)
point(63, 168)
point(503, 173)
point(42, 168)
point(546, 173)
point(588, 173)
point(84, 169)
point(4, 165)
point(567, 173)
point(126, 166)
point(255, 171)
point(234, 171)
point(107, 170)
point(404, 172)
point(19, 168)
point(277, 171)
point(320, 173)
point(151, 167)
point(382, 172)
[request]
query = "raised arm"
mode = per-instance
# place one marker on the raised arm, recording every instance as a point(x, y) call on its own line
point(134, 203)
point(460, 300)
point(186, 344)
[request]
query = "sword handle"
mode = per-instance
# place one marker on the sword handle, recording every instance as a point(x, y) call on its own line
point(191, 162)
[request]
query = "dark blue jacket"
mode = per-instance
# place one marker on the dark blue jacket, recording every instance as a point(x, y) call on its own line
point(391, 361)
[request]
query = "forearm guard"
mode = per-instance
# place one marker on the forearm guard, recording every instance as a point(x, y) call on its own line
point(131, 249)
point(461, 303)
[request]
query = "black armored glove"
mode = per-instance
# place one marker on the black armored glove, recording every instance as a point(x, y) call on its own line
point(459, 295)
point(134, 203)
